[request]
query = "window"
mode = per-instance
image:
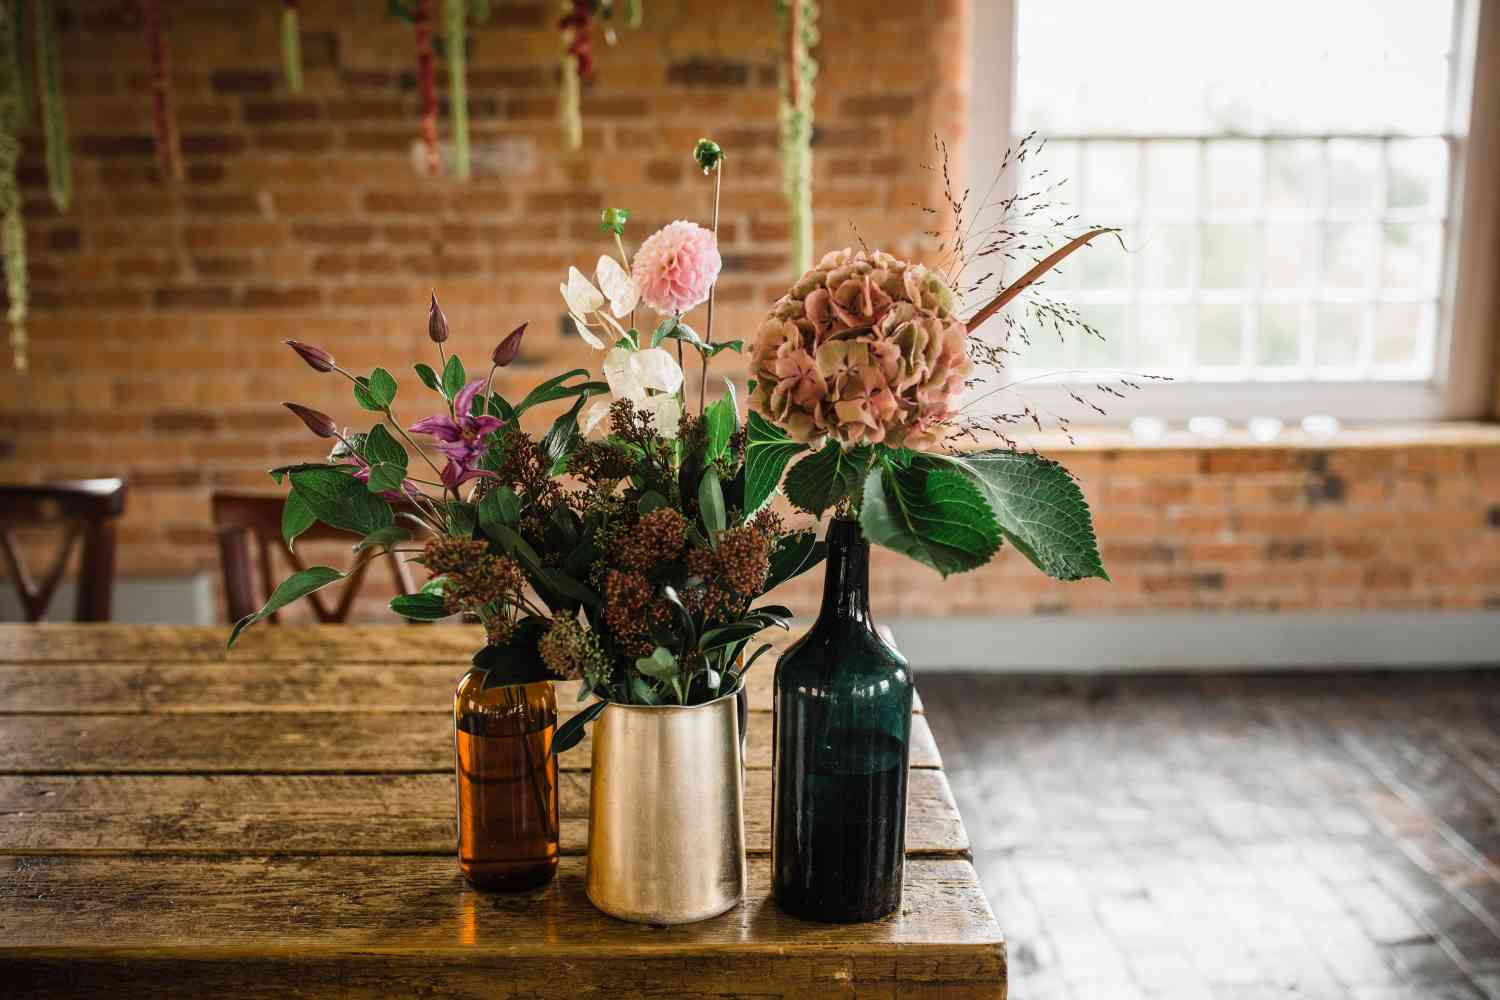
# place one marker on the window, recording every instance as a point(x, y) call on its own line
point(1289, 177)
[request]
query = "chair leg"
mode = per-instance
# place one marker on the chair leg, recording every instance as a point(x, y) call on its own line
point(234, 561)
point(96, 575)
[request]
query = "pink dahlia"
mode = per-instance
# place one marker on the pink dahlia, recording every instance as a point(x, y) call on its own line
point(865, 349)
point(676, 267)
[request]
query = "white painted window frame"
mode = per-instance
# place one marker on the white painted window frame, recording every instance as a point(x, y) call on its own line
point(1463, 383)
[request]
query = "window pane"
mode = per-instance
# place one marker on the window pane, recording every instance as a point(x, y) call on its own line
point(1279, 170)
point(1209, 68)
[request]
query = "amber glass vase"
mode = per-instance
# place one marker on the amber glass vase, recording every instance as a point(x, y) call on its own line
point(507, 782)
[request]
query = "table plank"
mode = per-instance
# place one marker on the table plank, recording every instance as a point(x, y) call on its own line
point(288, 743)
point(363, 926)
point(74, 688)
point(340, 814)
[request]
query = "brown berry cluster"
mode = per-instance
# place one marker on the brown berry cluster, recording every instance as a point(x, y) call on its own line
point(572, 652)
point(734, 572)
point(474, 577)
point(631, 609)
point(657, 538)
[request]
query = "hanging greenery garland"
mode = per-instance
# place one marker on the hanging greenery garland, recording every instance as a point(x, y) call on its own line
point(291, 46)
point(25, 60)
point(54, 121)
point(168, 147)
point(798, 73)
point(455, 41)
point(12, 229)
point(577, 66)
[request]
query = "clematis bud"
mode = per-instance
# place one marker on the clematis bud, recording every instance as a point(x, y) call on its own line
point(708, 154)
point(437, 323)
point(320, 424)
point(317, 358)
point(507, 349)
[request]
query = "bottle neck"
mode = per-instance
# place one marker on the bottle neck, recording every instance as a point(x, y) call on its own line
point(846, 580)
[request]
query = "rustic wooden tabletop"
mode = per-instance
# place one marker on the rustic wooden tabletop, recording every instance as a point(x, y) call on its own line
point(175, 821)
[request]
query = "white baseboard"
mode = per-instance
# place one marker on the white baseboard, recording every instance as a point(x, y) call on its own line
point(1203, 641)
point(1130, 643)
point(138, 600)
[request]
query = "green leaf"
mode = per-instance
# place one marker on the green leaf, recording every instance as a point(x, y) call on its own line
point(462, 517)
point(341, 501)
point(661, 664)
point(517, 661)
point(649, 501)
point(515, 546)
point(561, 436)
point(428, 376)
point(570, 733)
point(567, 586)
point(794, 555)
point(554, 388)
point(768, 449)
point(931, 512)
point(711, 503)
point(293, 588)
point(720, 421)
point(737, 346)
point(296, 517)
point(454, 376)
point(282, 471)
point(376, 391)
point(820, 481)
point(663, 330)
point(1040, 509)
point(643, 691)
point(385, 538)
point(500, 506)
point(387, 460)
point(727, 635)
point(420, 607)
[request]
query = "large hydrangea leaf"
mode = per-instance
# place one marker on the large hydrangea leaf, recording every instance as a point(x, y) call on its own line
point(930, 511)
point(1040, 510)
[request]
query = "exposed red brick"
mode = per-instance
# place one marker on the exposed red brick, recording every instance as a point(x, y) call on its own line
point(243, 81)
point(709, 73)
point(262, 112)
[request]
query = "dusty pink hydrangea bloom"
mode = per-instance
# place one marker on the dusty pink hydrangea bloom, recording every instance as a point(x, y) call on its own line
point(676, 267)
point(864, 348)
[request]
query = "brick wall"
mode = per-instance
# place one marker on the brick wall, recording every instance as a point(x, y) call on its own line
point(159, 307)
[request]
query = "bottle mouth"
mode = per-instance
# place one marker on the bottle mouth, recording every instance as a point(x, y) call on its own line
point(844, 531)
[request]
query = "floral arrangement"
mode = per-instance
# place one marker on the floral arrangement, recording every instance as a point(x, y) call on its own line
point(860, 366)
point(625, 547)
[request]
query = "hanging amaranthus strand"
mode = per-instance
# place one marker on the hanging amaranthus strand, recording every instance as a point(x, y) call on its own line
point(798, 72)
point(168, 149)
point(577, 66)
point(291, 46)
point(12, 230)
point(426, 86)
point(54, 122)
point(24, 56)
point(455, 37)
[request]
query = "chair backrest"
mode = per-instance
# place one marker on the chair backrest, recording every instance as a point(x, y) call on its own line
point(249, 530)
point(87, 510)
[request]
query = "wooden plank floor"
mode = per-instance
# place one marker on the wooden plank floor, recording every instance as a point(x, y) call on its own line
point(281, 820)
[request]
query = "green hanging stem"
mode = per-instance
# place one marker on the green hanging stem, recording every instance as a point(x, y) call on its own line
point(798, 73)
point(54, 122)
point(25, 58)
point(291, 46)
point(455, 16)
point(12, 229)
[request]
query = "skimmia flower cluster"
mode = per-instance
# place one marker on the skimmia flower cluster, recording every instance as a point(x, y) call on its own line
point(625, 546)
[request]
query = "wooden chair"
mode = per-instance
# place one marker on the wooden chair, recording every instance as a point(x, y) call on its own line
point(240, 518)
point(86, 509)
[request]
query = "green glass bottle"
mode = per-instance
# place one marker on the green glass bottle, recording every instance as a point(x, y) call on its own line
point(841, 748)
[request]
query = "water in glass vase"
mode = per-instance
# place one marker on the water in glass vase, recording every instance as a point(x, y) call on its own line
point(842, 728)
point(507, 784)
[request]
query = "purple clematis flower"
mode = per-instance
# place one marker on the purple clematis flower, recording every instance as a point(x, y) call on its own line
point(460, 437)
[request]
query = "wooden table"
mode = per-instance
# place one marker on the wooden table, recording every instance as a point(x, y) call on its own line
point(175, 821)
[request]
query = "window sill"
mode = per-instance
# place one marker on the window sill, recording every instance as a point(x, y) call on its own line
point(1453, 434)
